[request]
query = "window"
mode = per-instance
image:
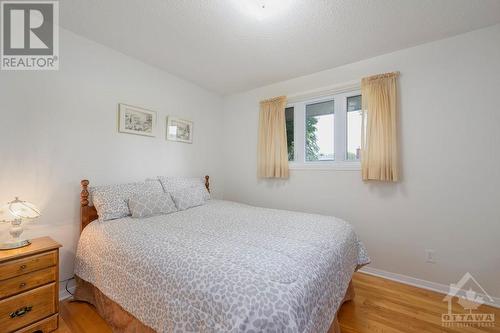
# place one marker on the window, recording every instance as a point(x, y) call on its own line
point(320, 123)
point(354, 118)
point(325, 132)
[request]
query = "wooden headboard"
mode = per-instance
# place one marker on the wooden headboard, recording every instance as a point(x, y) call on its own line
point(89, 213)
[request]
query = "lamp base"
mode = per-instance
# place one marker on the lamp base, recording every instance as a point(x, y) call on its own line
point(14, 245)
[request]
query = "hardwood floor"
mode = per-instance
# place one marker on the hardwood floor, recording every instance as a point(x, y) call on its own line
point(63, 328)
point(385, 306)
point(380, 306)
point(80, 317)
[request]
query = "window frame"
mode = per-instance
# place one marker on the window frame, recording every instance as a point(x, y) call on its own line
point(340, 161)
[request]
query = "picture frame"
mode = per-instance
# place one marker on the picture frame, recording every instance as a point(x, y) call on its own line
point(179, 130)
point(136, 120)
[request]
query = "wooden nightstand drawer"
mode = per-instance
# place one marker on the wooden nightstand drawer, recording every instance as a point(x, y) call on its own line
point(17, 267)
point(29, 287)
point(27, 281)
point(23, 309)
point(43, 326)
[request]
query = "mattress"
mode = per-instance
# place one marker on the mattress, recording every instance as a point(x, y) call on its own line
point(223, 267)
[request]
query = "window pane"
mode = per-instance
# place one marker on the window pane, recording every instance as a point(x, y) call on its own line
point(320, 121)
point(353, 127)
point(289, 132)
point(354, 103)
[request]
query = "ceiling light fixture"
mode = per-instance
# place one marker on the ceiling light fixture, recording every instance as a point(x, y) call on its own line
point(263, 9)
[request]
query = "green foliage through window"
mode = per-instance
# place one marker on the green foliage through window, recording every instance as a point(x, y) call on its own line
point(319, 136)
point(312, 148)
point(289, 116)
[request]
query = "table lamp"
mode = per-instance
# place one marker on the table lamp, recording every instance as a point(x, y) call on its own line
point(14, 212)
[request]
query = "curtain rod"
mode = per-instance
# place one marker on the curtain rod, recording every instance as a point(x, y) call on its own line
point(325, 91)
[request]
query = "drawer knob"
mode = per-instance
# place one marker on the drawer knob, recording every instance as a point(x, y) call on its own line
point(21, 312)
point(22, 285)
point(23, 267)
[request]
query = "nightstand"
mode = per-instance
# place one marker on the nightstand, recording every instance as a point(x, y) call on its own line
point(29, 287)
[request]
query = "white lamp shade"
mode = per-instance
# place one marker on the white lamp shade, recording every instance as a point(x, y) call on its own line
point(18, 209)
point(6, 215)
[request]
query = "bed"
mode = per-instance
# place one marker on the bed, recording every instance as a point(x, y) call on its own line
point(219, 267)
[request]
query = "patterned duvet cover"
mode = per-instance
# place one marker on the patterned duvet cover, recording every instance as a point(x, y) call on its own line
point(224, 267)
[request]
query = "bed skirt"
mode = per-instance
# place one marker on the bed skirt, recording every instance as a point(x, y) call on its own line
point(121, 321)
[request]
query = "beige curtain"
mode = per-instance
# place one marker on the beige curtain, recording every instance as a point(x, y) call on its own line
point(379, 144)
point(272, 147)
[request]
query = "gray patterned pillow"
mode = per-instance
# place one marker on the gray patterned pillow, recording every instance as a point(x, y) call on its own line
point(175, 184)
point(188, 197)
point(111, 201)
point(151, 204)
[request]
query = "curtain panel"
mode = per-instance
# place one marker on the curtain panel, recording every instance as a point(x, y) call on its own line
point(272, 159)
point(379, 143)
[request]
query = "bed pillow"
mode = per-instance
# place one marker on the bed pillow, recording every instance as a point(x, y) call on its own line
point(188, 197)
point(111, 201)
point(151, 204)
point(176, 184)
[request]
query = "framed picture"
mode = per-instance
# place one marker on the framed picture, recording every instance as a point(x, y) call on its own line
point(136, 120)
point(179, 130)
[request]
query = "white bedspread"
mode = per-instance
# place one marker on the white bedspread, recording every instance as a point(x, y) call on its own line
point(224, 267)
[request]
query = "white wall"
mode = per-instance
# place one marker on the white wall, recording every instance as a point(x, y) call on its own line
point(59, 127)
point(449, 197)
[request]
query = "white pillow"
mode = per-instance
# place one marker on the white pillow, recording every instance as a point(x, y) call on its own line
point(151, 204)
point(111, 201)
point(176, 184)
point(188, 197)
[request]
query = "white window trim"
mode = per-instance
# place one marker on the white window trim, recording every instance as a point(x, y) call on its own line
point(339, 94)
point(326, 165)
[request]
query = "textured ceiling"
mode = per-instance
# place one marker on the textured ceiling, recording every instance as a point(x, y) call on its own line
point(228, 46)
